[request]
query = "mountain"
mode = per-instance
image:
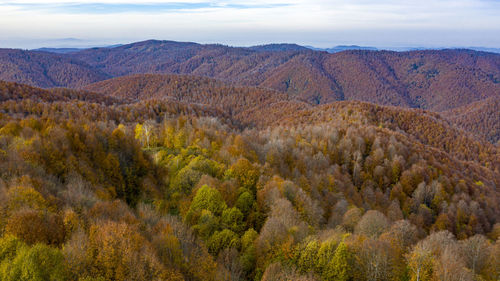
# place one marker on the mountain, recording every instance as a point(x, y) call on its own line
point(46, 70)
point(341, 48)
point(58, 50)
point(483, 49)
point(180, 161)
point(278, 48)
point(481, 118)
point(436, 80)
point(428, 79)
point(427, 128)
point(264, 108)
point(10, 91)
point(24, 101)
point(433, 80)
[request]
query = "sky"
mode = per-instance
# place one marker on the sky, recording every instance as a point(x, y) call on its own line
point(320, 23)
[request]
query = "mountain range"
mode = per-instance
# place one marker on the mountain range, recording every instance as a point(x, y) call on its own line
point(433, 80)
point(447, 81)
point(163, 160)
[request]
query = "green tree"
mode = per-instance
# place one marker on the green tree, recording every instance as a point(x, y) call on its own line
point(245, 202)
point(232, 218)
point(185, 180)
point(188, 176)
point(325, 254)
point(245, 173)
point(309, 256)
point(9, 246)
point(221, 240)
point(38, 263)
point(248, 253)
point(339, 268)
point(207, 224)
point(206, 198)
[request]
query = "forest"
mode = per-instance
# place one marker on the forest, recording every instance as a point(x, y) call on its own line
point(462, 85)
point(201, 180)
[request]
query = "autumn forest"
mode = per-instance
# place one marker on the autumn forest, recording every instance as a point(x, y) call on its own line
point(163, 160)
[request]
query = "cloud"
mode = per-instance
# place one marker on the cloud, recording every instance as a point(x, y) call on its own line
point(113, 7)
point(325, 22)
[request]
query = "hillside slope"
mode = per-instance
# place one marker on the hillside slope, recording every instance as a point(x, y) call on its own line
point(46, 70)
point(265, 108)
point(236, 101)
point(481, 118)
point(431, 79)
point(436, 80)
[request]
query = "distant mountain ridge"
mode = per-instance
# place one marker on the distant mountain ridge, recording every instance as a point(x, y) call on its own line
point(418, 79)
point(58, 50)
point(433, 80)
point(278, 47)
point(341, 48)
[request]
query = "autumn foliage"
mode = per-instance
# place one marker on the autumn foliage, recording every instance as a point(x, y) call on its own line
point(203, 180)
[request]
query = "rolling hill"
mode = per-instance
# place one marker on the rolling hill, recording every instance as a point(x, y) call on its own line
point(46, 70)
point(236, 101)
point(433, 80)
point(436, 80)
point(288, 76)
point(266, 108)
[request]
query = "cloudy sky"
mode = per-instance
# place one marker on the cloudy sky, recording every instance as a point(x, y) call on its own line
point(321, 23)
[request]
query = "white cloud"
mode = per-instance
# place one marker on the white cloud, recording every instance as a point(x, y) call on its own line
point(320, 22)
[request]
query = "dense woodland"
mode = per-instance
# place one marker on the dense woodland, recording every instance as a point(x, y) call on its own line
point(167, 160)
point(144, 184)
point(481, 118)
point(46, 69)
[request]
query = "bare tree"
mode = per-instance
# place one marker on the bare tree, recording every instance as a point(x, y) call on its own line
point(372, 224)
point(475, 252)
point(449, 266)
point(231, 267)
point(404, 234)
point(375, 259)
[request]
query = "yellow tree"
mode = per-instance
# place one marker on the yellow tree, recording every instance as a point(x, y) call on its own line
point(144, 133)
point(420, 262)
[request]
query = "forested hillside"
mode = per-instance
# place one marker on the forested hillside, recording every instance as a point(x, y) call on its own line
point(165, 177)
point(237, 101)
point(46, 70)
point(481, 118)
point(264, 107)
point(435, 80)
point(459, 83)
